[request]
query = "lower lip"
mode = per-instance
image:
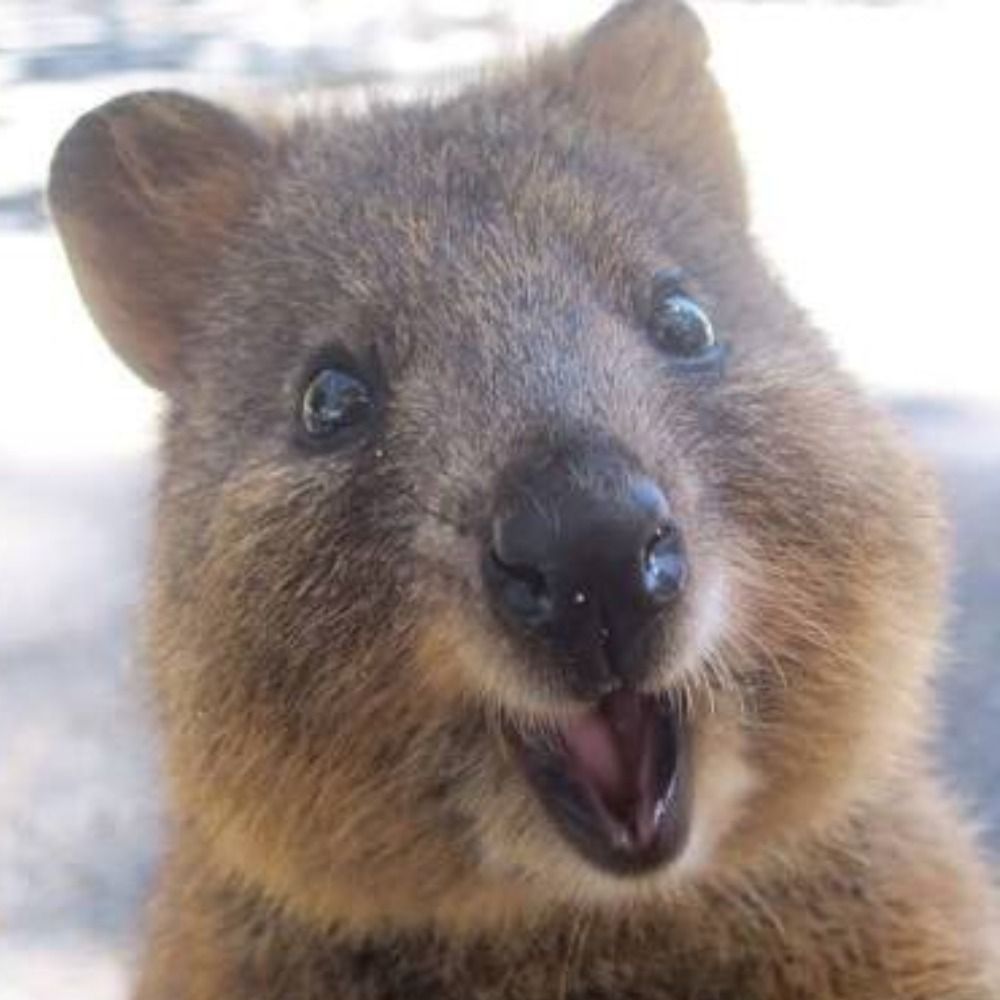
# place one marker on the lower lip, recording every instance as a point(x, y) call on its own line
point(587, 825)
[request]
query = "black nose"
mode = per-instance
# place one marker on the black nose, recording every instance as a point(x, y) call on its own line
point(585, 554)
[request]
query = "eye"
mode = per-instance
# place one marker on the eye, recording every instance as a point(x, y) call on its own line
point(680, 327)
point(335, 401)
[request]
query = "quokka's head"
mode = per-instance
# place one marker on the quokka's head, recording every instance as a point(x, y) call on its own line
point(519, 541)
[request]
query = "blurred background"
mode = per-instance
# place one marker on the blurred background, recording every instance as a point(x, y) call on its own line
point(871, 136)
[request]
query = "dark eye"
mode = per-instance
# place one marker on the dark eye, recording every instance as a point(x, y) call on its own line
point(335, 401)
point(680, 327)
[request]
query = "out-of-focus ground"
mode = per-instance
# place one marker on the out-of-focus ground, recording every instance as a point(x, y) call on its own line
point(869, 136)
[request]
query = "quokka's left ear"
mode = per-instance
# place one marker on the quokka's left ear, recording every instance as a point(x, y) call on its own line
point(642, 70)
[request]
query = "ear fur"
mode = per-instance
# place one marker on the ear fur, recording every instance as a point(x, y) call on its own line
point(642, 70)
point(143, 191)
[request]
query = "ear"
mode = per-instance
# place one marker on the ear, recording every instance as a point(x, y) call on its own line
point(642, 70)
point(144, 191)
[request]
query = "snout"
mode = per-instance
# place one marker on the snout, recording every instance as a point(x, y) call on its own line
point(586, 556)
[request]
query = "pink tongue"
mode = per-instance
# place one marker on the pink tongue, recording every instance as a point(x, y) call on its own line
point(607, 745)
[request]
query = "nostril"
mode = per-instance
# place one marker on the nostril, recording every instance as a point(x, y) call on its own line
point(523, 590)
point(664, 568)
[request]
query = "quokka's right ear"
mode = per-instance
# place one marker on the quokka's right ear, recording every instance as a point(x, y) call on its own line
point(143, 191)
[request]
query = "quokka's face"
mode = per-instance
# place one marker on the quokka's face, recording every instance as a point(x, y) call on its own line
point(519, 541)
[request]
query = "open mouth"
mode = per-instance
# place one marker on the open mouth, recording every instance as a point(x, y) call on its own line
point(615, 780)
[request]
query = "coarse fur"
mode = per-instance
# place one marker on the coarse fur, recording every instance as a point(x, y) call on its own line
point(347, 819)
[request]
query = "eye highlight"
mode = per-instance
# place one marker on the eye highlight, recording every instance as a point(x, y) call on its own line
point(680, 327)
point(333, 402)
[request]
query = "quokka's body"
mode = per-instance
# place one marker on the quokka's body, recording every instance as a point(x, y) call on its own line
point(537, 610)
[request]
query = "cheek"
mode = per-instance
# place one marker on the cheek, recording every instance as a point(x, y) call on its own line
point(304, 562)
point(831, 652)
point(287, 631)
point(299, 754)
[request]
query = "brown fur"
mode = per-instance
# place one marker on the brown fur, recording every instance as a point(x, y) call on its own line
point(347, 820)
